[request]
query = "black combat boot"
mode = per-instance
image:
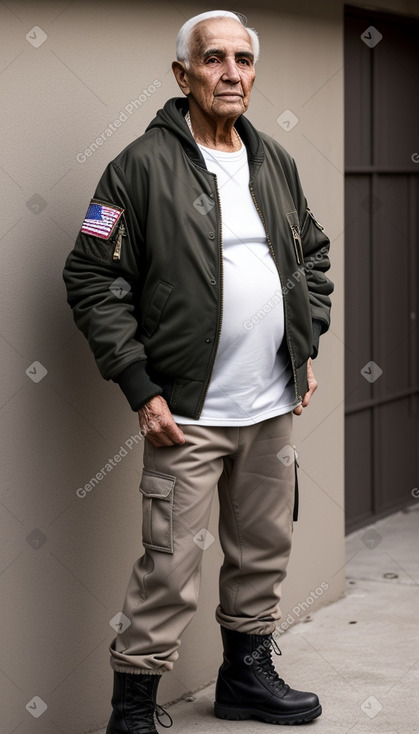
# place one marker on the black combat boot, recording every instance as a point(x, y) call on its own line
point(248, 685)
point(134, 704)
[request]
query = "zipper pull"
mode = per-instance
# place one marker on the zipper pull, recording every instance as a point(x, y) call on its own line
point(297, 242)
point(117, 251)
point(320, 226)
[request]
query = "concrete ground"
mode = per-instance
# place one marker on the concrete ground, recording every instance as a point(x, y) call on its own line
point(360, 654)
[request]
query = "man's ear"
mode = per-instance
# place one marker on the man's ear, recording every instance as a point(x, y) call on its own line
point(180, 72)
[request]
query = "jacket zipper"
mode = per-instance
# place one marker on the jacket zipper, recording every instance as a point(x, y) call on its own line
point(271, 250)
point(297, 243)
point(117, 251)
point(220, 320)
point(316, 222)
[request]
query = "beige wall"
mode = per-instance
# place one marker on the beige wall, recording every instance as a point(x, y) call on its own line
point(65, 560)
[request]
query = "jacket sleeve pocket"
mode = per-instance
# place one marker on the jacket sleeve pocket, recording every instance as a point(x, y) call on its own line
point(155, 308)
point(158, 494)
point(294, 225)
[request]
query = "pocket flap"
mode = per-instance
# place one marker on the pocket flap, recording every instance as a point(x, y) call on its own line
point(293, 220)
point(156, 307)
point(156, 485)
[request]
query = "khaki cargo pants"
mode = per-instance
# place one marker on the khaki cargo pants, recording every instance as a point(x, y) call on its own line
point(256, 494)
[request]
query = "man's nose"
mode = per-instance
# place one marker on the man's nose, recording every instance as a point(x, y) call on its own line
point(231, 72)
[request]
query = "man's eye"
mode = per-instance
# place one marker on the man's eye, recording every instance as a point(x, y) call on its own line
point(212, 59)
point(244, 61)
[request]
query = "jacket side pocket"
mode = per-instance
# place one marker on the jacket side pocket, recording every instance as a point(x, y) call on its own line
point(158, 495)
point(155, 308)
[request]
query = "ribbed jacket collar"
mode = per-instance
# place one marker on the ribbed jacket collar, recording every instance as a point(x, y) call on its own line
point(172, 118)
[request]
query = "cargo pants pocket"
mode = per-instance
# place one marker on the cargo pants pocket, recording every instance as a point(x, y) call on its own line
point(158, 495)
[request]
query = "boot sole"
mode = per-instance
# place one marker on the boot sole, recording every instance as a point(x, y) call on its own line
point(234, 713)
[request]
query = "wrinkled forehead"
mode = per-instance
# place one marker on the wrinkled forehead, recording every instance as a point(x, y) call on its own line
point(219, 33)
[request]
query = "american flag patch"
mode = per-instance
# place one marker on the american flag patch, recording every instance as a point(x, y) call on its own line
point(101, 220)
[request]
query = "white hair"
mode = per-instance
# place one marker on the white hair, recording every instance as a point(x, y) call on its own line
point(184, 35)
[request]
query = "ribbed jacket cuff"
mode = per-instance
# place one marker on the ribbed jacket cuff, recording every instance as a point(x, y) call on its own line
point(136, 385)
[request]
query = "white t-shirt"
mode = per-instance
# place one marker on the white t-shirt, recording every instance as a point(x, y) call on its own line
point(250, 381)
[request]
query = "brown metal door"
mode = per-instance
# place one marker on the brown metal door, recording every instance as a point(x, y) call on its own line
point(381, 263)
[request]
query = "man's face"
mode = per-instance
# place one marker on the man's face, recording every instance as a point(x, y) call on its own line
point(221, 73)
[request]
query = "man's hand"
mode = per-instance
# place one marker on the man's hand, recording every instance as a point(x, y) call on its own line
point(157, 424)
point(312, 386)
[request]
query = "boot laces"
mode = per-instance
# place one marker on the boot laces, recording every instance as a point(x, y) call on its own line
point(265, 665)
point(155, 709)
point(160, 712)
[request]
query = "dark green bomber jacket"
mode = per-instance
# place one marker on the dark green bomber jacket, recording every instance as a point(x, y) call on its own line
point(149, 296)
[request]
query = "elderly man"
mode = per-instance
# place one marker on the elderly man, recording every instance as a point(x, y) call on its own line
point(198, 279)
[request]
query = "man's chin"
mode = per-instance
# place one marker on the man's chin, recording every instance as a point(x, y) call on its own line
point(229, 106)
